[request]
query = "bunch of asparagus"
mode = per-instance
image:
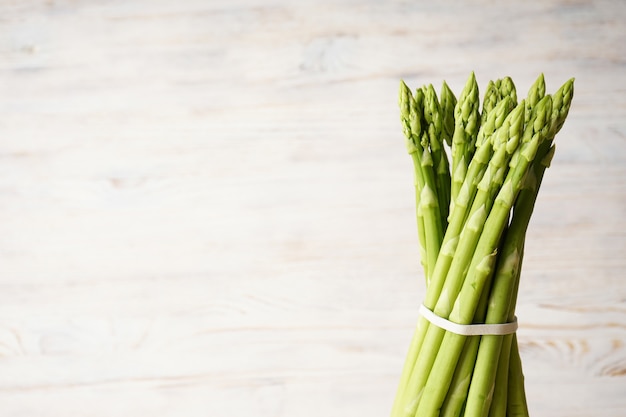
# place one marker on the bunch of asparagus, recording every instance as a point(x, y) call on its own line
point(472, 213)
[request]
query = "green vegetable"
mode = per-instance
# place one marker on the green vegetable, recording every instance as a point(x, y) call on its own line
point(417, 141)
point(472, 253)
point(466, 124)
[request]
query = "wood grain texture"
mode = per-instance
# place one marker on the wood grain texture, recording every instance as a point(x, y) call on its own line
point(206, 208)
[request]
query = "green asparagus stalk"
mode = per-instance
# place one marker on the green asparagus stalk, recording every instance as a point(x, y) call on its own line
point(454, 402)
point(434, 119)
point(506, 87)
point(497, 91)
point(405, 99)
point(448, 102)
point(492, 96)
point(414, 127)
point(429, 221)
point(536, 92)
point(500, 392)
point(503, 379)
point(561, 103)
point(467, 123)
point(516, 395)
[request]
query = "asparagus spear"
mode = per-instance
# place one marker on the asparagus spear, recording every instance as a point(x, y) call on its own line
point(536, 92)
point(434, 119)
point(430, 228)
point(506, 87)
point(467, 121)
point(516, 396)
point(414, 128)
point(429, 204)
point(492, 96)
point(503, 379)
point(456, 397)
point(405, 98)
point(448, 102)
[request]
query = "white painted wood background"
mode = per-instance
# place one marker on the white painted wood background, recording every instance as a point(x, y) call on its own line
point(206, 207)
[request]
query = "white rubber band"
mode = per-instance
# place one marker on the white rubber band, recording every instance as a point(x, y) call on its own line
point(469, 329)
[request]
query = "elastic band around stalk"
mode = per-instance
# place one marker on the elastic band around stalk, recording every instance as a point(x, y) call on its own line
point(500, 329)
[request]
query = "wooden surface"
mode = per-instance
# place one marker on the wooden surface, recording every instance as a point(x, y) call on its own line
point(206, 207)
